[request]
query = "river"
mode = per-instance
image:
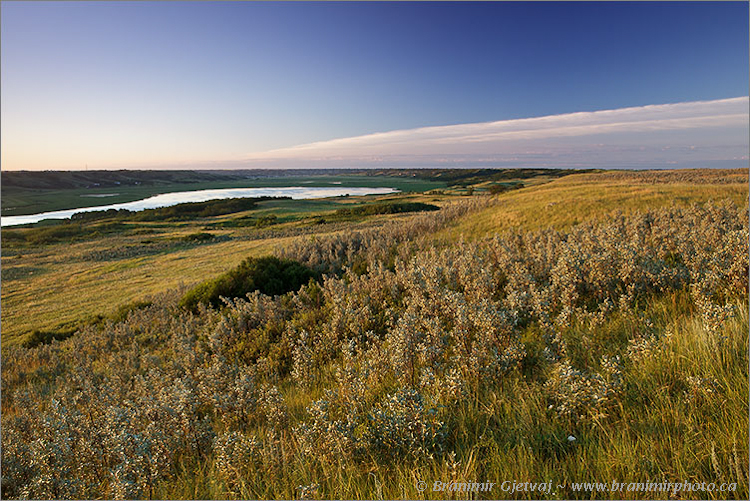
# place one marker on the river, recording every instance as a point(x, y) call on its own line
point(179, 197)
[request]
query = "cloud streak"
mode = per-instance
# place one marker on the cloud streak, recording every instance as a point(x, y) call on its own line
point(693, 134)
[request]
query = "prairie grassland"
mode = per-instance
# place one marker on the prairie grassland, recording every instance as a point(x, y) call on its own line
point(572, 199)
point(537, 348)
point(38, 296)
point(61, 289)
point(58, 285)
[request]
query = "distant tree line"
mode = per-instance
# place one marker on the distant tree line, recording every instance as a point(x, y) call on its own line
point(178, 212)
point(386, 208)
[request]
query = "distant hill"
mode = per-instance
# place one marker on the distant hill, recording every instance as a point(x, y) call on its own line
point(60, 180)
point(57, 180)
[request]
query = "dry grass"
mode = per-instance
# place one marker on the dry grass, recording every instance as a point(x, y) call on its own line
point(573, 199)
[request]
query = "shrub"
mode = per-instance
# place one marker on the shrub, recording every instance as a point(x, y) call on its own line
point(100, 214)
point(122, 312)
point(264, 221)
point(63, 331)
point(198, 237)
point(208, 208)
point(269, 275)
point(403, 426)
point(502, 188)
point(238, 222)
point(38, 337)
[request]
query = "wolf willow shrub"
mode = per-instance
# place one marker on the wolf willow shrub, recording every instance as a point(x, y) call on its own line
point(362, 368)
point(269, 275)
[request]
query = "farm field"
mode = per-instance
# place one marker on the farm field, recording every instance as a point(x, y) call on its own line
point(484, 326)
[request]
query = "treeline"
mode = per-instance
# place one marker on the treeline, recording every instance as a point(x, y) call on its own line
point(496, 189)
point(386, 208)
point(178, 212)
point(113, 220)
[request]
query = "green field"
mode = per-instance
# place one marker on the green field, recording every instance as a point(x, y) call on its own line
point(556, 328)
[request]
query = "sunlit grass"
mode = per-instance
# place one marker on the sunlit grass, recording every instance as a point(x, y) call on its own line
point(573, 199)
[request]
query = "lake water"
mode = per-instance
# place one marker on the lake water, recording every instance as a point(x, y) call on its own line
point(179, 197)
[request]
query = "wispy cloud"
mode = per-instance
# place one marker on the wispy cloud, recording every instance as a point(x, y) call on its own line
point(693, 134)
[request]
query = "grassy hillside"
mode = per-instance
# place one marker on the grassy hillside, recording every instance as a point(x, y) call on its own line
point(590, 328)
point(565, 202)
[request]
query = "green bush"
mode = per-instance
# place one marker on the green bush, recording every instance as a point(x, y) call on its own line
point(269, 275)
point(496, 189)
point(59, 333)
point(264, 221)
point(122, 312)
point(38, 337)
point(238, 222)
point(198, 237)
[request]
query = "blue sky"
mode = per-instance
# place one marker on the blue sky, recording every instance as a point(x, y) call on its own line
point(167, 84)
